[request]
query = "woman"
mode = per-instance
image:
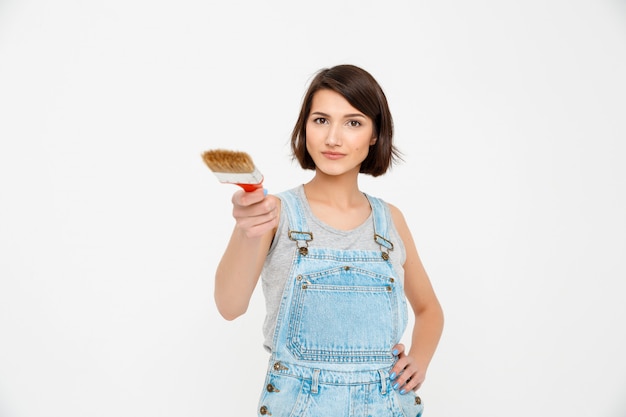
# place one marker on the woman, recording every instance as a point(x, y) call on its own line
point(337, 264)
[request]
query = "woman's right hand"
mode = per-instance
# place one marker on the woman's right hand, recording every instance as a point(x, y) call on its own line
point(255, 212)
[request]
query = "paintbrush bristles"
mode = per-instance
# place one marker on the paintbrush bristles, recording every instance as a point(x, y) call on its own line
point(222, 160)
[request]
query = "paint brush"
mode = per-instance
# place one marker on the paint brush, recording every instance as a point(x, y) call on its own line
point(233, 167)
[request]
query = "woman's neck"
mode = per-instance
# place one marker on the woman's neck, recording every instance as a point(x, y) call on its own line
point(341, 192)
point(337, 201)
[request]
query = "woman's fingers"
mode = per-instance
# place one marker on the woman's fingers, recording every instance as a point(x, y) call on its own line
point(254, 212)
point(405, 375)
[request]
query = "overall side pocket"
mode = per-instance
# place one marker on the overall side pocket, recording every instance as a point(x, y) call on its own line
point(282, 396)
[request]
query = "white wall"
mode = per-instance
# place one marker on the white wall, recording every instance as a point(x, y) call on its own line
point(511, 115)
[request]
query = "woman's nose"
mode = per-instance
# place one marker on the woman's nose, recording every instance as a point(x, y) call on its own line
point(333, 136)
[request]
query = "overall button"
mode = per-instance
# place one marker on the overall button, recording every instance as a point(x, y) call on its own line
point(279, 367)
point(272, 388)
point(264, 411)
point(418, 400)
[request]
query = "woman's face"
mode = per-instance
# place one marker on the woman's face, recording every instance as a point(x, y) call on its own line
point(338, 136)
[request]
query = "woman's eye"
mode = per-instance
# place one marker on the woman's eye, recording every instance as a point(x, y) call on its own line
point(354, 123)
point(320, 120)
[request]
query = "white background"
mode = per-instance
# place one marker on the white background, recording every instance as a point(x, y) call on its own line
point(512, 119)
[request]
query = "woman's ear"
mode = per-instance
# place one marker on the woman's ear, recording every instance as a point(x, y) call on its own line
point(373, 140)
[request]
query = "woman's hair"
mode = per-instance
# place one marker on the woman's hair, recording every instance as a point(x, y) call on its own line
point(364, 93)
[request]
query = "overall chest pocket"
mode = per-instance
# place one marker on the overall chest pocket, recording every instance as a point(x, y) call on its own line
point(344, 314)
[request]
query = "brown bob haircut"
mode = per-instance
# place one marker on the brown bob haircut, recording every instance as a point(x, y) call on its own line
point(364, 93)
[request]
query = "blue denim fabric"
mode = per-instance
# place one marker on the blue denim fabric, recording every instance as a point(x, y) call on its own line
point(340, 316)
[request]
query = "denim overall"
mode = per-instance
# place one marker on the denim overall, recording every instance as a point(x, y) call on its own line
point(341, 313)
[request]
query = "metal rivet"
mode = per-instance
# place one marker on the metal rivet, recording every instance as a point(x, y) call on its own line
point(304, 251)
point(392, 280)
point(388, 288)
point(299, 277)
point(278, 366)
point(264, 411)
point(304, 286)
point(272, 388)
point(385, 256)
point(347, 268)
point(418, 400)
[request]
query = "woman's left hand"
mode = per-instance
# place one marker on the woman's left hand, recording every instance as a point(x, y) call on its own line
point(405, 374)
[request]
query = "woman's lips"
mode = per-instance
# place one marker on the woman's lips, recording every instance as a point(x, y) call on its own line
point(333, 155)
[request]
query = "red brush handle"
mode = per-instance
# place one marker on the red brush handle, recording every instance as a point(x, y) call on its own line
point(250, 187)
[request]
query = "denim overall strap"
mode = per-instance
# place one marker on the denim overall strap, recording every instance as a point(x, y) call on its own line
point(292, 208)
point(382, 217)
point(298, 228)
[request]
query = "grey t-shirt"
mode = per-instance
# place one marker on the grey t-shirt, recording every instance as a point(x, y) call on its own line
point(278, 262)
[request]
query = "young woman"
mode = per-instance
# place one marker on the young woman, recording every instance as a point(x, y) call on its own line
point(337, 267)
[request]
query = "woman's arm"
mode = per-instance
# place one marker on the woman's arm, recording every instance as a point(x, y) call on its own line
point(428, 315)
point(256, 218)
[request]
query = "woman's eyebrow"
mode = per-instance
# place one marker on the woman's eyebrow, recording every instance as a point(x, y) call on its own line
point(320, 113)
